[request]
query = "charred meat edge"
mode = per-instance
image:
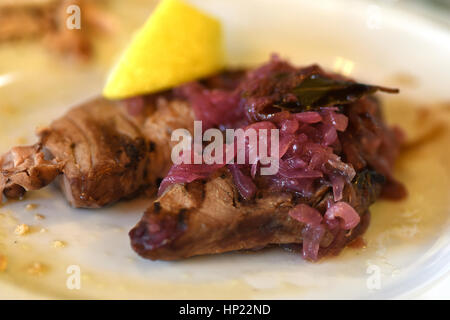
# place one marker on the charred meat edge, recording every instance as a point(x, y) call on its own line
point(209, 217)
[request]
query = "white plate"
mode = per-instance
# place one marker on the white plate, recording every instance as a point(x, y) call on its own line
point(407, 242)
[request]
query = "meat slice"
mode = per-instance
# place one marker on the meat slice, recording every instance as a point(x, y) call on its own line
point(99, 151)
point(209, 217)
point(104, 154)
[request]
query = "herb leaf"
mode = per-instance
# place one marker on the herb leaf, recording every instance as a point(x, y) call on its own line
point(317, 91)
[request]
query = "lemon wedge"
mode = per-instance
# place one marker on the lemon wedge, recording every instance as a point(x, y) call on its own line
point(177, 44)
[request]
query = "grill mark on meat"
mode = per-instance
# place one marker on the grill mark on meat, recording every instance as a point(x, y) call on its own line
point(156, 207)
point(86, 140)
point(72, 148)
point(151, 146)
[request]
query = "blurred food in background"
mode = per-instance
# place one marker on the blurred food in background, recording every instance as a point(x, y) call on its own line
point(46, 21)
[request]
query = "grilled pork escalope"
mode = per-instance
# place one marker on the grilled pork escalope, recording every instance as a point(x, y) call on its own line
point(336, 159)
point(99, 151)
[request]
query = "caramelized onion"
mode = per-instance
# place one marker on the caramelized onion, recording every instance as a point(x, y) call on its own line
point(348, 216)
point(306, 214)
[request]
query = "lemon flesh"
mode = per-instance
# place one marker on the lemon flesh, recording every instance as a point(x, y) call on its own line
point(177, 44)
